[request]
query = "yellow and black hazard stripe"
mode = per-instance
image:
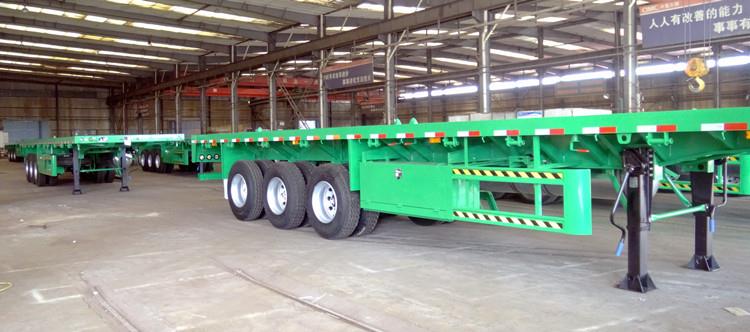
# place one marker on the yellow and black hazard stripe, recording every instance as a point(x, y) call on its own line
point(685, 186)
point(733, 158)
point(508, 220)
point(665, 185)
point(508, 174)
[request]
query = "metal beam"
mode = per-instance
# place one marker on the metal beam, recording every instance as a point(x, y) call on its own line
point(153, 19)
point(272, 100)
point(234, 98)
point(157, 106)
point(390, 67)
point(40, 22)
point(84, 43)
point(88, 57)
point(203, 97)
point(46, 79)
point(177, 102)
point(451, 11)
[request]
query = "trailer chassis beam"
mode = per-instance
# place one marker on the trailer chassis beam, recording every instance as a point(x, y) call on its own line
point(638, 191)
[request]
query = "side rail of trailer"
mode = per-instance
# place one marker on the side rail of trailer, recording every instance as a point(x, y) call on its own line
point(99, 157)
point(339, 179)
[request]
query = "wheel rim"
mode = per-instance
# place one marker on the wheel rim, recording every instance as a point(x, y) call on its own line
point(28, 170)
point(35, 173)
point(157, 161)
point(276, 195)
point(238, 189)
point(324, 202)
point(142, 160)
point(150, 160)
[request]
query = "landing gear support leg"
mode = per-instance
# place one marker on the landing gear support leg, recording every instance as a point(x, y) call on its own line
point(639, 195)
point(702, 191)
point(123, 171)
point(76, 172)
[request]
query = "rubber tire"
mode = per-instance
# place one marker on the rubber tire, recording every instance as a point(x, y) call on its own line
point(307, 168)
point(168, 168)
point(52, 180)
point(34, 170)
point(347, 214)
point(149, 161)
point(109, 176)
point(294, 213)
point(547, 197)
point(144, 166)
point(368, 220)
point(162, 167)
point(254, 179)
point(99, 177)
point(42, 179)
point(423, 221)
point(27, 168)
point(263, 165)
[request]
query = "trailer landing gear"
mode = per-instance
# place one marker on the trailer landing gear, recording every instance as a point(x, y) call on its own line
point(638, 189)
point(702, 192)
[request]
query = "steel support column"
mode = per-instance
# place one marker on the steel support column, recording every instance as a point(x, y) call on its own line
point(177, 102)
point(272, 99)
point(618, 100)
point(631, 95)
point(324, 111)
point(124, 112)
point(484, 64)
point(233, 97)
point(717, 76)
point(124, 177)
point(390, 67)
point(429, 85)
point(540, 71)
point(57, 110)
point(76, 171)
point(203, 97)
point(638, 191)
point(702, 186)
point(157, 106)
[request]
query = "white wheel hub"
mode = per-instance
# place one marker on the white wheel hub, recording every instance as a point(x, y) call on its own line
point(157, 161)
point(276, 195)
point(324, 202)
point(238, 190)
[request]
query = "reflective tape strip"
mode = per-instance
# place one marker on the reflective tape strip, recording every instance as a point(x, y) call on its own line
point(377, 136)
point(405, 135)
point(194, 141)
point(508, 174)
point(248, 140)
point(433, 134)
point(313, 138)
point(724, 126)
point(656, 128)
point(549, 131)
point(278, 139)
point(599, 130)
point(506, 132)
point(332, 137)
point(213, 141)
point(353, 136)
point(294, 138)
point(468, 133)
point(262, 139)
point(223, 140)
point(508, 220)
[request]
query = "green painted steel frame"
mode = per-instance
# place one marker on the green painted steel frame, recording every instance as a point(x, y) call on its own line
point(544, 144)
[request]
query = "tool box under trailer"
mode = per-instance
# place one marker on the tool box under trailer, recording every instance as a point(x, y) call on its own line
point(339, 179)
point(102, 157)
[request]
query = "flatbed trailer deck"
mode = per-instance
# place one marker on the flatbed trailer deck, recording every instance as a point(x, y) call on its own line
point(338, 179)
point(103, 156)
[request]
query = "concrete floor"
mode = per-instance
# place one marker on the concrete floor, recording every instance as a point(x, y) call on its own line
point(169, 256)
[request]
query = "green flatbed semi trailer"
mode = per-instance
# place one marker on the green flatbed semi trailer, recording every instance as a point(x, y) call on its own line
point(339, 179)
point(12, 152)
point(161, 157)
point(101, 156)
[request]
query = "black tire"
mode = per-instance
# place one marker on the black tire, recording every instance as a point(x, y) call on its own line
point(307, 168)
point(42, 179)
point(289, 210)
point(149, 161)
point(346, 203)
point(34, 170)
point(99, 176)
point(52, 180)
point(547, 196)
point(263, 165)
point(168, 168)
point(423, 221)
point(27, 168)
point(143, 160)
point(249, 172)
point(159, 165)
point(368, 220)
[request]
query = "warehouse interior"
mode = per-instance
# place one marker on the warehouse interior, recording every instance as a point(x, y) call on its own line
point(166, 254)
